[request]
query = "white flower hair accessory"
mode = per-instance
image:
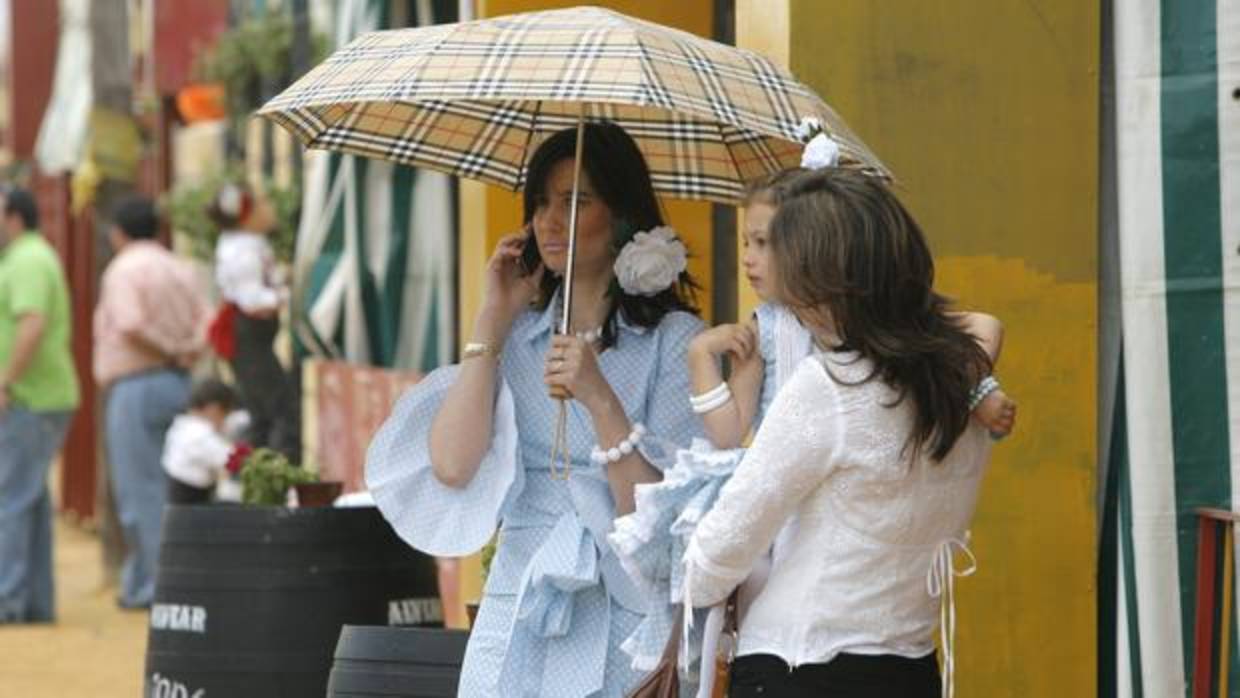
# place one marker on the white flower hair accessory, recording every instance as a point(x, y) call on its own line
point(651, 262)
point(820, 149)
point(808, 128)
point(231, 200)
point(820, 152)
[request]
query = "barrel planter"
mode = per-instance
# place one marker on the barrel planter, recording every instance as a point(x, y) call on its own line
point(250, 600)
point(384, 662)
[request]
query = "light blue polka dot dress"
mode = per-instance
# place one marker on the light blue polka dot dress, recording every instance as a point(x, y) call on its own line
point(651, 541)
point(557, 603)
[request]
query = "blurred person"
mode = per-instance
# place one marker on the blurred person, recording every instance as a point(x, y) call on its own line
point(148, 331)
point(245, 328)
point(198, 453)
point(38, 394)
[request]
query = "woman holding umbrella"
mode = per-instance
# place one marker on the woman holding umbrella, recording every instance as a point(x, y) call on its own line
point(477, 444)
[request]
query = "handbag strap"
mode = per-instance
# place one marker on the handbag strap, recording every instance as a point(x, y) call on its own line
point(730, 620)
point(671, 651)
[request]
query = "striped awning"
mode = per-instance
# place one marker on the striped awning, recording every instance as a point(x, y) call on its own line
point(474, 99)
point(1177, 426)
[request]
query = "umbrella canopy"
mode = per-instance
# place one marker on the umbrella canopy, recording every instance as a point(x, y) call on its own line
point(474, 99)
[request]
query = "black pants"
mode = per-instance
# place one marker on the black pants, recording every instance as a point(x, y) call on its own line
point(846, 676)
point(182, 493)
point(264, 385)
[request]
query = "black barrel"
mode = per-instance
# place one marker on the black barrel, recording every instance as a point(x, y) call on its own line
point(402, 662)
point(249, 601)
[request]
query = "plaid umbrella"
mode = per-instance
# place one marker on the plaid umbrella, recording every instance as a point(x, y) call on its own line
point(474, 99)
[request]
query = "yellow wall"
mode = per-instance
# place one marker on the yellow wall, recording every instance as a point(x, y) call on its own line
point(765, 27)
point(987, 113)
point(488, 213)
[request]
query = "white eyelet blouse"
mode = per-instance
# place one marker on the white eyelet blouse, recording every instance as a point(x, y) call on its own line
point(865, 557)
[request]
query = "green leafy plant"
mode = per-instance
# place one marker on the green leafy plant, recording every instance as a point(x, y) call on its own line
point(485, 556)
point(253, 58)
point(187, 205)
point(267, 475)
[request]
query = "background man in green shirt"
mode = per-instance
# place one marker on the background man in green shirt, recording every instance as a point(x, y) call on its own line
point(38, 395)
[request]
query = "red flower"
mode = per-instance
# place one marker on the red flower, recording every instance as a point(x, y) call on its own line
point(237, 458)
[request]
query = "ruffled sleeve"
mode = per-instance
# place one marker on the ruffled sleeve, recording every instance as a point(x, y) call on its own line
point(426, 513)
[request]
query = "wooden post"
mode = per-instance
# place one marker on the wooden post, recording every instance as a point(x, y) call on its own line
point(1210, 523)
point(1203, 650)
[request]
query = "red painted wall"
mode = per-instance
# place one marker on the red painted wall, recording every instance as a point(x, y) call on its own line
point(182, 29)
point(34, 27)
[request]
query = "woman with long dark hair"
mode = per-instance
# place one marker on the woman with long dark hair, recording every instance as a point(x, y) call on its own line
point(475, 445)
point(864, 473)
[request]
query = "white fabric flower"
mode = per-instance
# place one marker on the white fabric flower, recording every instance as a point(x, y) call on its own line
point(820, 152)
point(651, 262)
point(808, 128)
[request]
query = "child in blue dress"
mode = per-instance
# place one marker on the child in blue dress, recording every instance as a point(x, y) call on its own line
point(763, 353)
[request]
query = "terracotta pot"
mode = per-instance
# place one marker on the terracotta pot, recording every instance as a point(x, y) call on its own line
point(201, 102)
point(318, 494)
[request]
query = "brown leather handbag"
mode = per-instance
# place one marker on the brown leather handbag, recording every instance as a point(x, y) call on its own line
point(664, 680)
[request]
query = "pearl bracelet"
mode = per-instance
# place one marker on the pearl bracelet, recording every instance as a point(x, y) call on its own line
point(988, 385)
point(712, 399)
point(620, 450)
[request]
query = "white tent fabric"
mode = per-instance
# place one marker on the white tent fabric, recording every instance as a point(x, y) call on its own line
point(62, 135)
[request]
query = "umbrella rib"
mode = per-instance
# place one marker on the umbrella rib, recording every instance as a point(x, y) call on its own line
point(529, 138)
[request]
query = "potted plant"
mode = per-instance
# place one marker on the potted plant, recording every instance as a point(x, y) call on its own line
point(267, 476)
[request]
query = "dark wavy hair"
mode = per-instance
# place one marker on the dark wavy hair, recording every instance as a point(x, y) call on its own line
point(621, 178)
point(842, 242)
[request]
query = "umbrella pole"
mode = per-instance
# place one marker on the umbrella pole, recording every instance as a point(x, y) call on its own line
point(561, 459)
point(566, 315)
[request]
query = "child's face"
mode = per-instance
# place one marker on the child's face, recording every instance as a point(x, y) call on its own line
point(756, 260)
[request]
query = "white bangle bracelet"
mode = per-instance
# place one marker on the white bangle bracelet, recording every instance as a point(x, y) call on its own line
point(721, 399)
point(711, 399)
point(620, 450)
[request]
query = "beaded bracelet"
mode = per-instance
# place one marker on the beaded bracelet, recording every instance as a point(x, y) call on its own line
point(712, 399)
point(988, 385)
point(620, 450)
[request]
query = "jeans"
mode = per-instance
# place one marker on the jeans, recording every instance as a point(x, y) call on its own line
point(28, 443)
point(140, 409)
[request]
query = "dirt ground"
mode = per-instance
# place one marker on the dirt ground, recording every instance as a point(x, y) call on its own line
point(94, 648)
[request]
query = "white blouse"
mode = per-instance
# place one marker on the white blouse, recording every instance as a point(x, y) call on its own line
point(245, 271)
point(865, 538)
point(194, 452)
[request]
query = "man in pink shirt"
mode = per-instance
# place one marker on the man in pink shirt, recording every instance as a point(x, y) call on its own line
point(149, 329)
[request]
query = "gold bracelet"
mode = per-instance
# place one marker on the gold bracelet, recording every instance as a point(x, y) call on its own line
point(475, 349)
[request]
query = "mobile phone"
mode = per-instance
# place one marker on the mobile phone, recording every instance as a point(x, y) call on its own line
point(530, 257)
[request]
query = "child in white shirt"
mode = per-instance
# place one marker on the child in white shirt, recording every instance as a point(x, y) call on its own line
point(196, 451)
